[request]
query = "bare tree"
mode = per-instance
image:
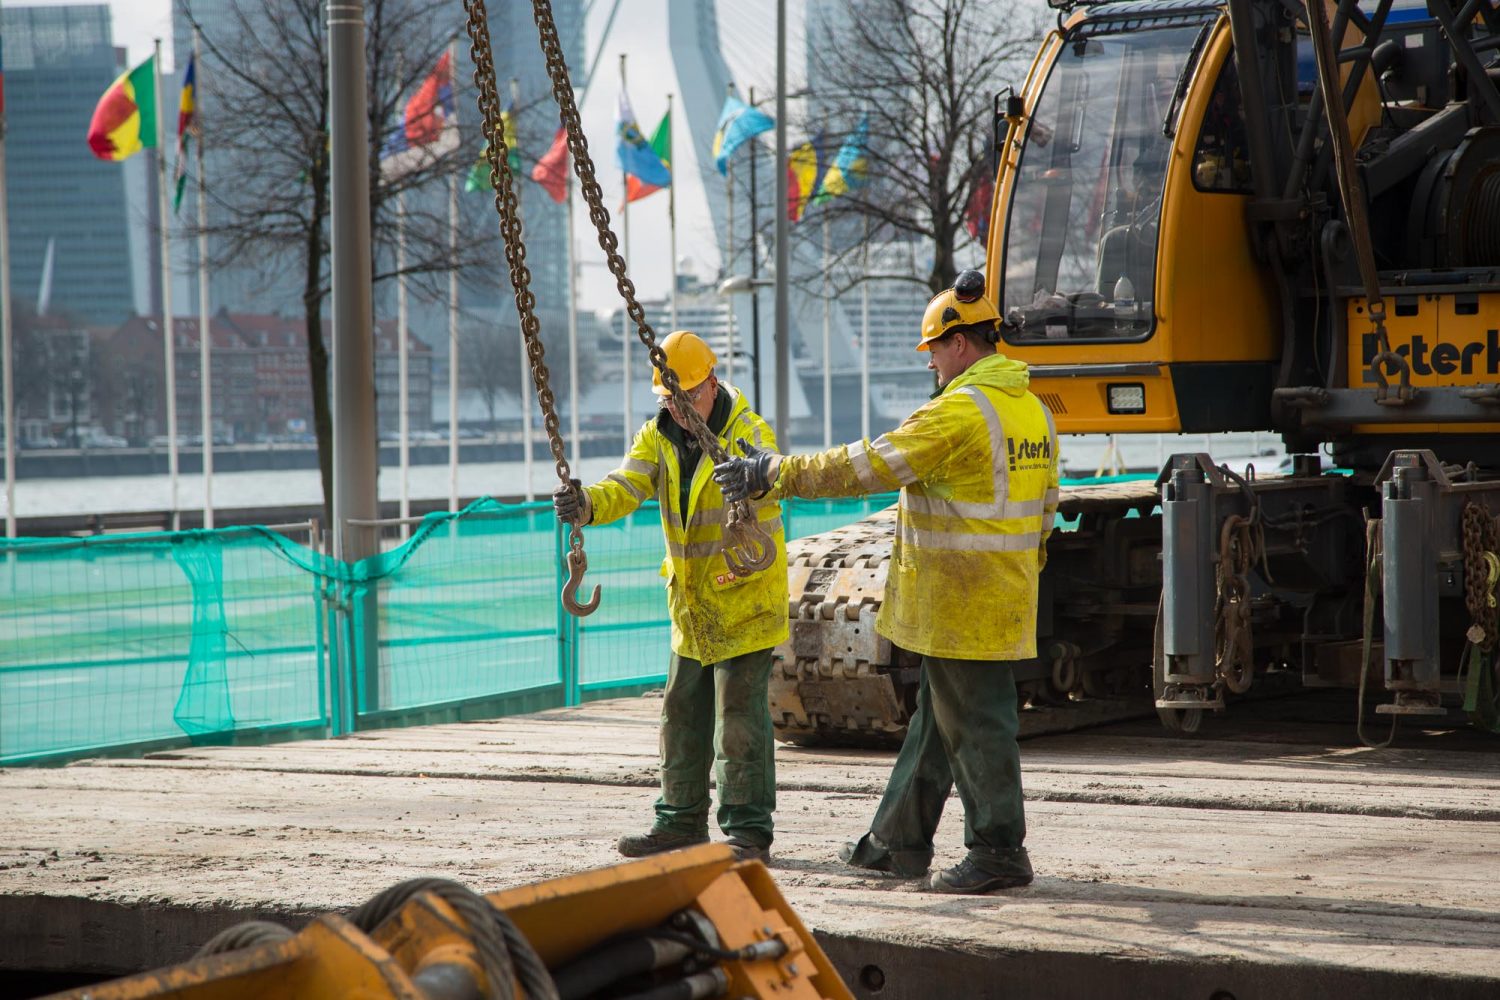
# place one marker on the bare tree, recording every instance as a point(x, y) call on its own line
point(266, 99)
point(923, 74)
point(492, 364)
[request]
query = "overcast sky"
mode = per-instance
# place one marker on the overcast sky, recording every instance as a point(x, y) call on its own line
point(640, 31)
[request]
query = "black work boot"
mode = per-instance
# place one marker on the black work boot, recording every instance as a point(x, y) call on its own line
point(746, 851)
point(870, 854)
point(641, 845)
point(1005, 870)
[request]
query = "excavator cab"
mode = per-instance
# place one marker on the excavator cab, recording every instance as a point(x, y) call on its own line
point(1122, 240)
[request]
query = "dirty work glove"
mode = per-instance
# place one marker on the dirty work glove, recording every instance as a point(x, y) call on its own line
point(749, 477)
point(572, 504)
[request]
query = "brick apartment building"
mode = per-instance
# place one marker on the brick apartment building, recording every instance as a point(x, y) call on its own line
point(261, 389)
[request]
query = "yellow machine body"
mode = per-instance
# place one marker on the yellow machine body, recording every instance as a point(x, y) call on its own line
point(1447, 338)
point(424, 951)
point(1215, 331)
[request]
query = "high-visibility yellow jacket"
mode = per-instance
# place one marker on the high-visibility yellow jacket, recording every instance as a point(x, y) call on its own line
point(977, 467)
point(715, 614)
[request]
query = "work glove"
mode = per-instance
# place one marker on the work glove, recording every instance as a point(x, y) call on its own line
point(572, 504)
point(748, 477)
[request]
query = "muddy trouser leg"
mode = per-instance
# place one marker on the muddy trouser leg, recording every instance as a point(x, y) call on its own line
point(975, 710)
point(687, 739)
point(745, 760)
point(908, 814)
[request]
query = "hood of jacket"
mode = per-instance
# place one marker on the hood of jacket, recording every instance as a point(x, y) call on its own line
point(996, 372)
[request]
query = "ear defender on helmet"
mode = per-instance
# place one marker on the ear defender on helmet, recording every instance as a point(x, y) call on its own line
point(969, 286)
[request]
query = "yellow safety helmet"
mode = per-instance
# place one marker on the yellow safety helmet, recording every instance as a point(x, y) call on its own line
point(688, 356)
point(960, 308)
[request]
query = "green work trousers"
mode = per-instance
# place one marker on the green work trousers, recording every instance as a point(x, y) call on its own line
point(963, 732)
point(717, 717)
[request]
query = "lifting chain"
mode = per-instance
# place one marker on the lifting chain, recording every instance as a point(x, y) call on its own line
point(747, 547)
point(520, 279)
point(1234, 659)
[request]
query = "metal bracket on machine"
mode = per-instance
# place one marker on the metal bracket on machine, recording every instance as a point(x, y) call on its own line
point(1417, 514)
point(1185, 675)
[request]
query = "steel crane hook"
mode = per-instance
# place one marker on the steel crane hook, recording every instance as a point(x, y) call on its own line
point(747, 547)
point(578, 564)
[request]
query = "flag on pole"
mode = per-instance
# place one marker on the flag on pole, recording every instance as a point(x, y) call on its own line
point(479, 173)
point(738, 122)
point(551, 171)
point(661, 145)
point(851, 167)
point(977, 212)
point(805, 166)
point(124, 120)
point(637, 158)
point(428, 128)
point(187, 127)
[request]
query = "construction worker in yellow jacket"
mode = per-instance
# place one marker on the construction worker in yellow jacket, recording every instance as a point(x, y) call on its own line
point(977, 470)
point(715, 713)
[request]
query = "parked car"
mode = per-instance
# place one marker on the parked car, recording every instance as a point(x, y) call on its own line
point(98, 437)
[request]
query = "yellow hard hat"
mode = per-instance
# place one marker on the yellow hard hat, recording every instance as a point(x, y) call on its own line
point(688, 356)
point(958, 308)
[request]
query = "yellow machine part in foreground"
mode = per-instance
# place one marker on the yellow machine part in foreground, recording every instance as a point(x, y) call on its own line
point(424, 950)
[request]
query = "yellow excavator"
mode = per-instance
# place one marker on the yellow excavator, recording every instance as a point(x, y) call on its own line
point(1236, 215)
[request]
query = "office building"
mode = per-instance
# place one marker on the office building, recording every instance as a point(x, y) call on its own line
point(58, 61)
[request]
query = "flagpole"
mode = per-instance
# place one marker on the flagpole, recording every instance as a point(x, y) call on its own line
point(827, 341)
point(672, 208)
point(574, 389)
point(525, 366)
point(205, 341)
point(452, 314)
point(754, 267)
point(729, 263)
point(403, 418)
point(783, 323)
point(864, 339)
point(7, 349)
point(625, 313)
point(169, 346)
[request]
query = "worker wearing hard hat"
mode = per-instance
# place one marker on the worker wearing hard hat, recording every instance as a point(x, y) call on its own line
point(977, 469)
point(715, 713)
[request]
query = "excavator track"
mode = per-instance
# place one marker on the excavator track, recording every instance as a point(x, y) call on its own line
point(838, 682)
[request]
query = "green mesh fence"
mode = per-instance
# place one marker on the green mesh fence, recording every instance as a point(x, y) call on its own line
point(120, 643)
point(465, 613)
point(131, 640)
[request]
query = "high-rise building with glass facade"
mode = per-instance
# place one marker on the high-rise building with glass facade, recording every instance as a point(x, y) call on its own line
point(58, 61)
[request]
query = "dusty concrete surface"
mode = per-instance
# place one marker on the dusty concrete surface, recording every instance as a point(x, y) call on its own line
point(1238, 862)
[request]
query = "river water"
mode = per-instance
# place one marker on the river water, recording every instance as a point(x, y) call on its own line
point(1082, 455)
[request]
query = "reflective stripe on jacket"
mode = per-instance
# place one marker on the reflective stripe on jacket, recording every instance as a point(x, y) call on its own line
point(715, 615)
point(977, 468)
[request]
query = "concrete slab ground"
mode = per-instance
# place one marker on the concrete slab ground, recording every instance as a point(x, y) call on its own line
point(1271, 858)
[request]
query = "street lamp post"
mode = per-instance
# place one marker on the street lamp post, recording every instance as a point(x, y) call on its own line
point(737, 284)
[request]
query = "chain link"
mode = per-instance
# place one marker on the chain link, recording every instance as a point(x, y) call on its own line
point(1233, 658)
point(520, 278)
point(1481, 536)
point(747, 548)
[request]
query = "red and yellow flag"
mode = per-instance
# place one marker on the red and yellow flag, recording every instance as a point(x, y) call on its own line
point(124, 121)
